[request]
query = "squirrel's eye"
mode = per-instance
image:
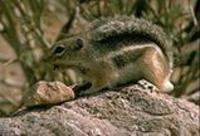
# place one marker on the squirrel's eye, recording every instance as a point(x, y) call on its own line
point(79, 43)
point(59, 50)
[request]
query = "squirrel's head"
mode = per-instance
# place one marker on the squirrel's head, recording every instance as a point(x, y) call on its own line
point(68, 52)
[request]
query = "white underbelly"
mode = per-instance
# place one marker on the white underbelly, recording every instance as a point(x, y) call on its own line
point(129, 73)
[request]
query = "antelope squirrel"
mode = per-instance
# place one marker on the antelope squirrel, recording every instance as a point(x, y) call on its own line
point(118, 50)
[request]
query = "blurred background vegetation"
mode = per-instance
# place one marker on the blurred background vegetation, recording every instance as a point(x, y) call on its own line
point(28, 28)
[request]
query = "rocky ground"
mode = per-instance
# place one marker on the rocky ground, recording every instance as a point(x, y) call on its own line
point(127, 111)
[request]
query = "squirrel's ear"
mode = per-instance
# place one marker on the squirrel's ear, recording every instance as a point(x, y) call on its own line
point(79, 43)
point(59, 50)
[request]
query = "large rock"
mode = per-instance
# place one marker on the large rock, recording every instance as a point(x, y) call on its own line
point(129, 111)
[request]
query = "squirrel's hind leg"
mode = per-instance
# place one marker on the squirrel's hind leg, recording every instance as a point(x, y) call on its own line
point(156, 69)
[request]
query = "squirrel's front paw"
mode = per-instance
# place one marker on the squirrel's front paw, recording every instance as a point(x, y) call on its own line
point(147, 86)
point(81, 88)
point(91, 90)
